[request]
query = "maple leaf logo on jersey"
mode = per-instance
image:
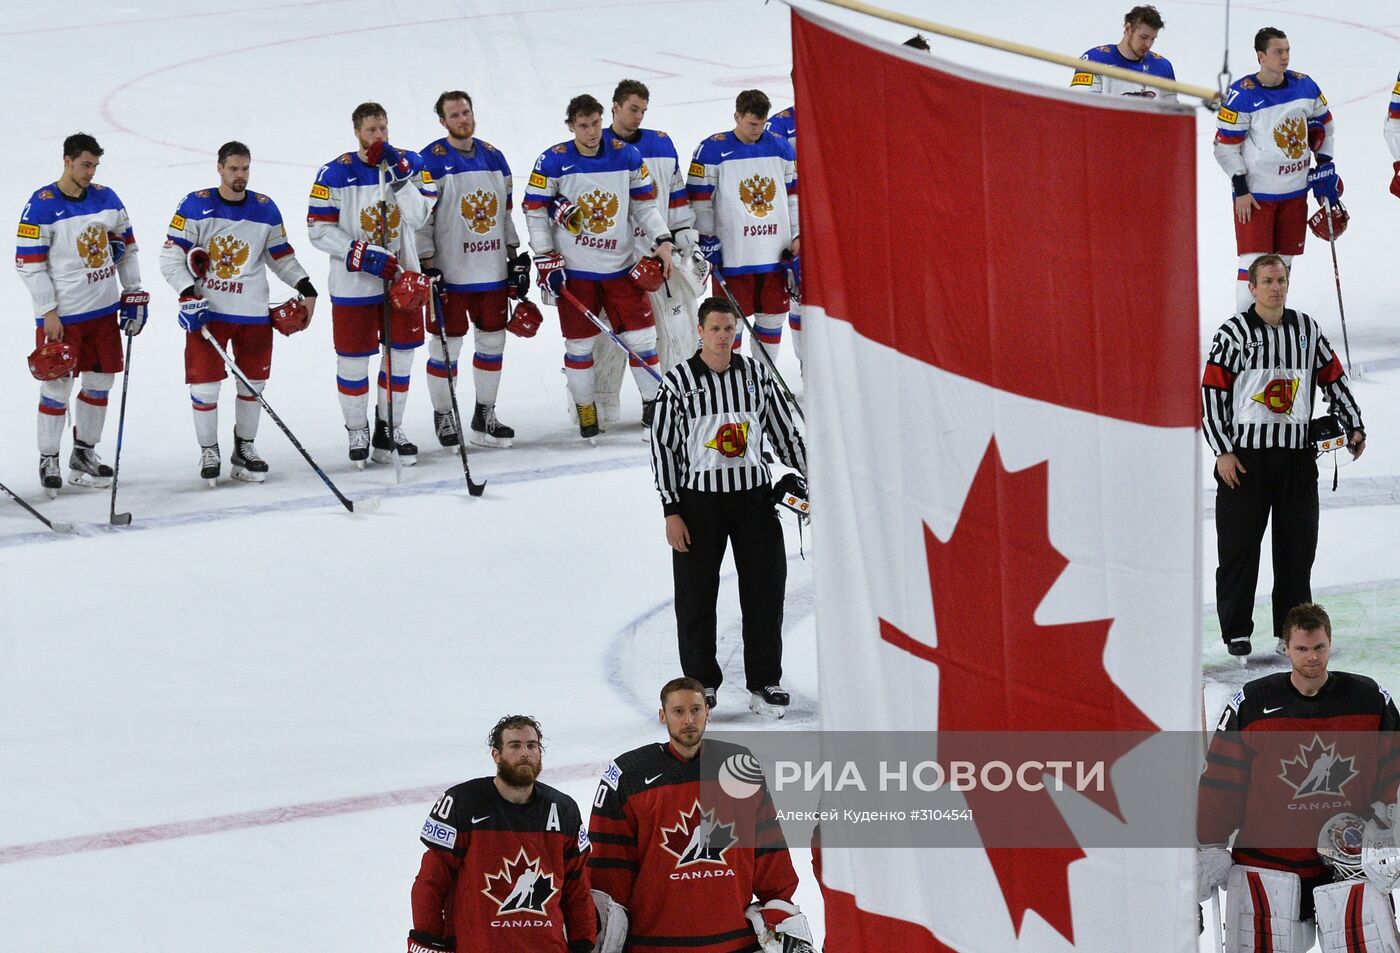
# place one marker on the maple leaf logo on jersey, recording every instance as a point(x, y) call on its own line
point(731, 440)
point(757, 193)
point(227, 256)
point(989, 645)
point(92, 246)
point(372, 221)
point(698, 838)
point(1278, 395)
point(479, 209)
point(1291, 136)
point(1317, 770)
point(599, 209)
point(519, 887)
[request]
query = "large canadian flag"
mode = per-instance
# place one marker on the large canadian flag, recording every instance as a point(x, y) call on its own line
point(1003, 380)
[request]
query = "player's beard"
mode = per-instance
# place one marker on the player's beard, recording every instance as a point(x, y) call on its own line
point(519, 775)
point(687, 737)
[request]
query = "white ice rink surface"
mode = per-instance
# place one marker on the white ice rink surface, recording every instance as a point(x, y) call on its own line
point(220, 728)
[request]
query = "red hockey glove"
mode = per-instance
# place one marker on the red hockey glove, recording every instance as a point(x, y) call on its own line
point(525, 320)
point(410, 291)
point(290, 316)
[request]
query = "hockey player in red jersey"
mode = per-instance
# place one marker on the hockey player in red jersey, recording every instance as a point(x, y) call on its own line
point(504, 868)
point(675, 853)
point(1292, 750)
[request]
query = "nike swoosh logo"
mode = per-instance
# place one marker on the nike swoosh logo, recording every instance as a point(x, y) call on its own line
point(1270, 711)
point(1258, 103)
point(565, 168)
point(478, 820)
point(651, 779)
point(206, 211)
point(729, 153)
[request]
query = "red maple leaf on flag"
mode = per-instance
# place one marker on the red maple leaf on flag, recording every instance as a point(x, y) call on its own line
point(1001, 671)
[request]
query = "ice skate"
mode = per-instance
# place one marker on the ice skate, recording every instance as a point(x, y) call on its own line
point(384, 450)
point(446, 429)
point(246, 464)
point(772, 701)
point(85, 467)
point(487, 431)
point(587, 421)
point(50, 476)
point(209, 464)
point(359, 445)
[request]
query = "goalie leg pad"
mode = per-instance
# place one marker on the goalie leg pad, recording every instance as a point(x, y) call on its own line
point(1355, 917)
point(1261, 912)
point(612, 924)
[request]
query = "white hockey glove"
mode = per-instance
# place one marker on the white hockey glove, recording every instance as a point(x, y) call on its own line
point(780, 927)
point(1213, 864)
point(612, 924)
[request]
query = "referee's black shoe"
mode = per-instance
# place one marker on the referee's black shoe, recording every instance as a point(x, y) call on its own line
point(1240, 646)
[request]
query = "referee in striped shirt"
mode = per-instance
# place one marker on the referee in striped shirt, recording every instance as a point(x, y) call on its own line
point(713, 413)
point(1264, 366)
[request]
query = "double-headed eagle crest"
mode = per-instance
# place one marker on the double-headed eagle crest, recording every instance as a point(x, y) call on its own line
point(1291, 136)
point(599, 210)
point(757, 193)
point(479, 209)
point(371, 220)
point(92, 246)
point(227, 256)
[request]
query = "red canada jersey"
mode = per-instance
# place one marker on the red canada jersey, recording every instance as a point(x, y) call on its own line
point(504, 877)
point(684, 858)
point(1281, 764)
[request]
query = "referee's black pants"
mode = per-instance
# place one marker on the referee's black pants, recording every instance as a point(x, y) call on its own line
point(1277, 482)
point(748, 519)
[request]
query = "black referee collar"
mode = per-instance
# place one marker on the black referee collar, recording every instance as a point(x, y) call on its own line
point(1252, 318)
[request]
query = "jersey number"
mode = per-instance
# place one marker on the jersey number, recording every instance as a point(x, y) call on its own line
point(443, 808)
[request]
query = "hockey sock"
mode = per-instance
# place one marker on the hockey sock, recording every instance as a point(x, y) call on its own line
point(644, 343)
point(53, 407)
point(90, 409)
point(768, 328)
point(578, 368)
point(247, 412)
point(799, 346)
point(352, 380)
point(437, 370)
point(204, 398)
point(403, 368)
point(486, 364)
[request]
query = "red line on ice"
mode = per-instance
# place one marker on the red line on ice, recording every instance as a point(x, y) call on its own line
point(86, 843)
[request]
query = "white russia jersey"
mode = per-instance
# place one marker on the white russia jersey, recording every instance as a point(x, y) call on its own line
point(1153, 64)
point(344, 209)
point(64, 255)
point(470, 229)
point(612, 189)
point(242, 238)
point(1263, 133)
point(745, 194)
point(659, 153)
point(1392, 122)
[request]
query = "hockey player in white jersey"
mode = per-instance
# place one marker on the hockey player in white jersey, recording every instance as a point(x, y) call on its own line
point(674, 303)
point(218, 248)
point(743, 188)
point(77, 257)
point(584, 199)
point(1270, 121)
point(470, 244)
point(1392, 135)
point(366, 242)
point(1133, 52)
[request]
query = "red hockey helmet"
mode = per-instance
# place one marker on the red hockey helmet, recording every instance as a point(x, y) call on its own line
point(525, 320)
point(647, 274)
point(1318, 222)
point(290, 316)
point(52, 360)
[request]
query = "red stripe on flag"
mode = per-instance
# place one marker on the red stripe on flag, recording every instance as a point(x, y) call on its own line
point(1028, 274)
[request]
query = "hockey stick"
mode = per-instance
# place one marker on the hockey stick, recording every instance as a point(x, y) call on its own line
point(115, 518)
point(473, 488)
point(762, 348)
point(607, 329)
point(353, 506)
point(386, 326)
point(1336, 273)
point(51, 524)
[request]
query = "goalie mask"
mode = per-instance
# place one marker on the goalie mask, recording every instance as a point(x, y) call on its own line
point(52, 360)
point(1339, 842)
